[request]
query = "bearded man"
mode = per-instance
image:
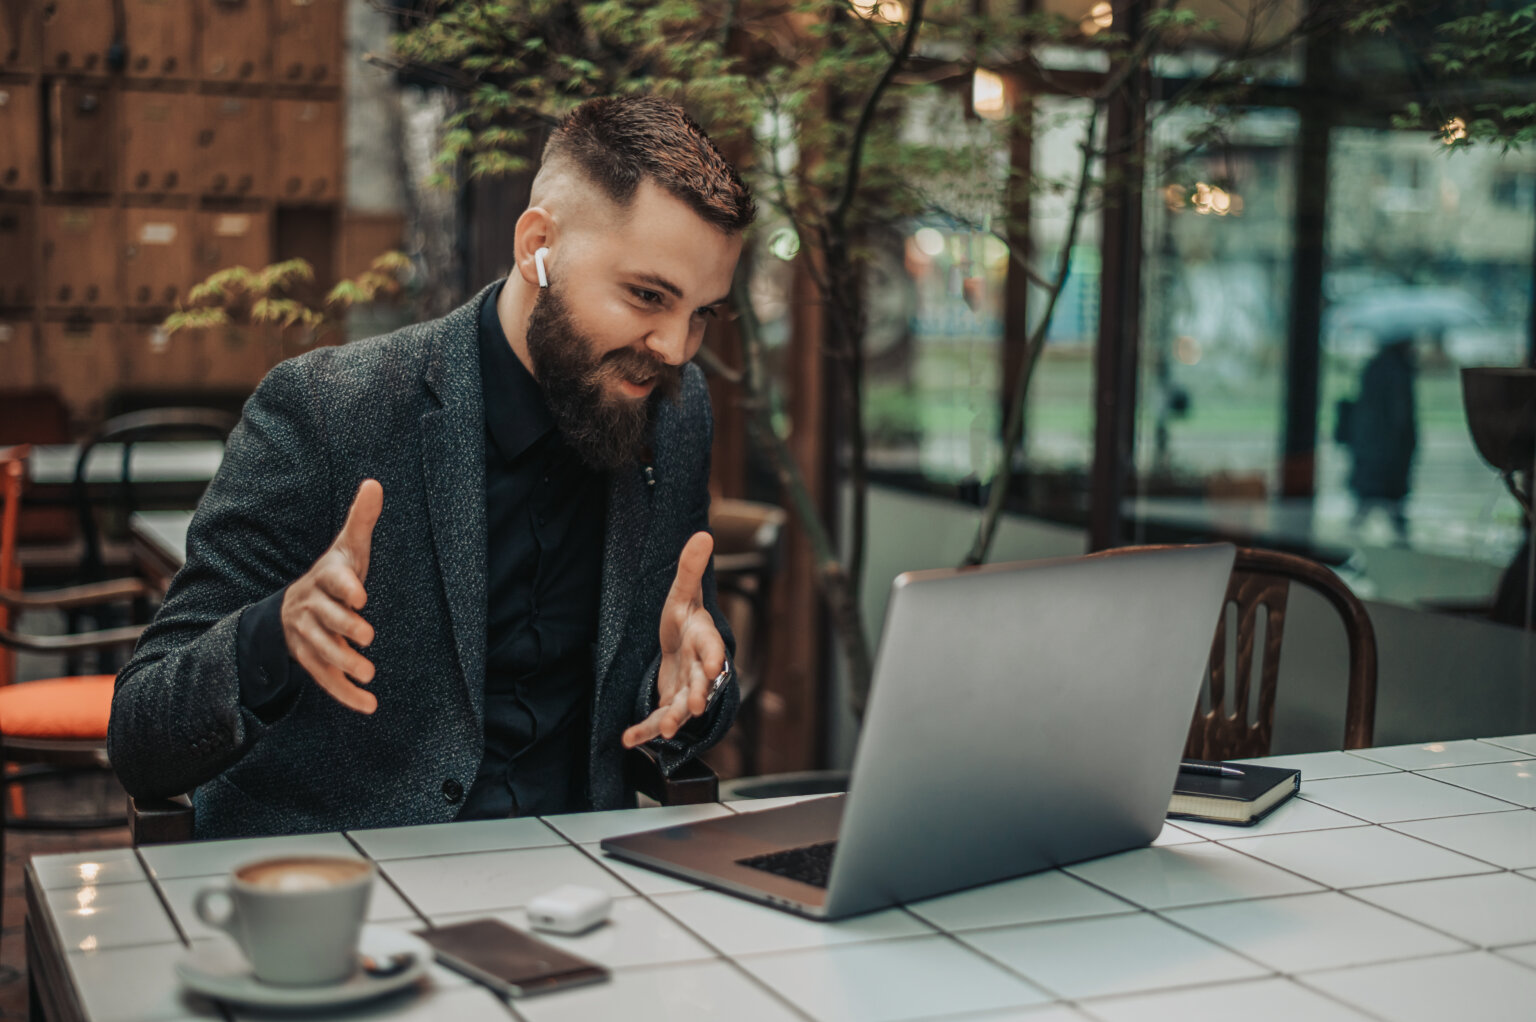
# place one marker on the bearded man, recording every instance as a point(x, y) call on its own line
point(456, 571)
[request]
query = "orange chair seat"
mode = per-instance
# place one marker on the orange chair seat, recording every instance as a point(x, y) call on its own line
point(60, 708)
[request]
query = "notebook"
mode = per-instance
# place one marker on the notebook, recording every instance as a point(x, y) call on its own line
point(1240, 801)
point(1022, 716)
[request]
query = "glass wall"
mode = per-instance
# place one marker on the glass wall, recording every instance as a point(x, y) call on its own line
point(1428, 270)
point(1058, 435)
point(1218, 240)
point(935, 303)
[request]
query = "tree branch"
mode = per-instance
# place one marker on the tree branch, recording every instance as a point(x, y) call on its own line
point(839, 212)
point(1014, 429)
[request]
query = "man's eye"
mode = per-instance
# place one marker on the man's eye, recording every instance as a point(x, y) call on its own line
point(707, 312)
point(647, 296)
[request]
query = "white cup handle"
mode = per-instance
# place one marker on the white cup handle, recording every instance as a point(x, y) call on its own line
point(203, 905)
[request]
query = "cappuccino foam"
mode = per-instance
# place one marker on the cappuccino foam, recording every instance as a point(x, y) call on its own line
point(298, 874)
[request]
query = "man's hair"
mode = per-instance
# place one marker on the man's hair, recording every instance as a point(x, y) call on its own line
point(620, 141)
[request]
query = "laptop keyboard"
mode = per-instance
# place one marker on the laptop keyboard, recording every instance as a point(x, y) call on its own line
point(809, 865)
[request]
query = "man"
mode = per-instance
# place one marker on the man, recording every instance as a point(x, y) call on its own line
point(456, 571)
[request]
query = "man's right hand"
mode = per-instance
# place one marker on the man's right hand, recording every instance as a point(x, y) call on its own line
point(320, 609)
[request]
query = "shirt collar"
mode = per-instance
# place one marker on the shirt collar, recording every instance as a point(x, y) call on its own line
point(515, 413)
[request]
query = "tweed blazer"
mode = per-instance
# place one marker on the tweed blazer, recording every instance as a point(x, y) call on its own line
point(405, 409)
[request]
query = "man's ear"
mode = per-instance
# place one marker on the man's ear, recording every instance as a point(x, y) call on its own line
point(535, 230)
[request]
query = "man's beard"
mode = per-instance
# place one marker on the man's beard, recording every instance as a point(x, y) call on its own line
point(605, 430)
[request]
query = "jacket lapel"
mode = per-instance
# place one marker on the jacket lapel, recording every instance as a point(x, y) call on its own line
point(453, 467)
point(624, 545)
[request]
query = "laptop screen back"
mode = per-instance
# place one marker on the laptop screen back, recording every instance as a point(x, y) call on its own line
point(1024, 716)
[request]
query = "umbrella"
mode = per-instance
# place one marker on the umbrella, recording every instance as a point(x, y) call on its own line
point(1390, 312)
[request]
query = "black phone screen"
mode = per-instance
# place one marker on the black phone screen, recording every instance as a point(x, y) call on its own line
point(508, 960)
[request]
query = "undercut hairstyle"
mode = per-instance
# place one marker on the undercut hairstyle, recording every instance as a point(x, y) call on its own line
point(619, 141)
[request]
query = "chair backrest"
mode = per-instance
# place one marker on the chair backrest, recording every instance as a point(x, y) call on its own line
point(746, 559)
point(1232, 721)
point(13, 476)
point(747, 543)
point(37, 415)
point(127, 430)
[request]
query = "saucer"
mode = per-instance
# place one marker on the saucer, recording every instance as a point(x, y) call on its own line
point(219, 970)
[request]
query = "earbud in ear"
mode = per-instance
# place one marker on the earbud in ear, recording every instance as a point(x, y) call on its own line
point(538, 262)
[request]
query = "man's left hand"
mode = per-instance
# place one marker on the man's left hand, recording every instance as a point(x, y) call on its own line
point(692, 652)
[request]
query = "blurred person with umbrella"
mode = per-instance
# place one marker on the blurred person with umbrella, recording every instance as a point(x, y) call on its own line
point(1380, 428)
point(1404, 311)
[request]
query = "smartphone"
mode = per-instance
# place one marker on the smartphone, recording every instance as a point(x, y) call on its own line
point(509, 961)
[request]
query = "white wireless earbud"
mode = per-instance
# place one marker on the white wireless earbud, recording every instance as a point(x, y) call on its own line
point(538, 262)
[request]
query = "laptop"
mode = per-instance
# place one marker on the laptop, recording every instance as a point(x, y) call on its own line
point(1022, 716)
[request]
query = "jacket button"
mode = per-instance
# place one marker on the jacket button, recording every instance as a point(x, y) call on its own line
point(452, 790)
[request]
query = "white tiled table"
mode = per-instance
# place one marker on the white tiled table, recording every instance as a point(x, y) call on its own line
point(153, 461)
point(1401, 885)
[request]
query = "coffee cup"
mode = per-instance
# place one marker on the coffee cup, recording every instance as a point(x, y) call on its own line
point(296, 917)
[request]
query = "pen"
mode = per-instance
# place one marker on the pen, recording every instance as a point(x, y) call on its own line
point(1189, 766)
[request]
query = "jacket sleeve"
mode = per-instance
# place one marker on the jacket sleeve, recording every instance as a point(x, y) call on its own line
point(178, 719)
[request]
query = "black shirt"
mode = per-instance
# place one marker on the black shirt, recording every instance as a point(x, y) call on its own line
point(544, 514)
point(544, 549)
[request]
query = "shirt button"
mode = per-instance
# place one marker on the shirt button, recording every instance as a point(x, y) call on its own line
point(541, 519)
point(452, 790)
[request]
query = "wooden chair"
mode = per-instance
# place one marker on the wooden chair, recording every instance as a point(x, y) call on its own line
point(55, 723)
point(163, 820)
point(1260, 586)
point(747, 539)
point(47, 536)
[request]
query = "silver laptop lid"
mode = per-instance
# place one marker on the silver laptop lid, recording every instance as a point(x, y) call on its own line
point(1024, 716)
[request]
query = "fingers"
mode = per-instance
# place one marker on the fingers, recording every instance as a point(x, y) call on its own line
point(698, 688)
point(329, 660)
point(336, 579)
point(335, 651)
point(356, 536)
point(662, 723)
point(687, 588)
point(338, 620)
point(319, 610)
point(343, 691)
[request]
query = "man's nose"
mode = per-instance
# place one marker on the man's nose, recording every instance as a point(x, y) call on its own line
point(669, 341)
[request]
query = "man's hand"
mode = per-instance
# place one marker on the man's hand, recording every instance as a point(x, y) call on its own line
point(320, 609)
point(692, 652)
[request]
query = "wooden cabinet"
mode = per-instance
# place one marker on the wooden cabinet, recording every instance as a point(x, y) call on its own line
point(235, 40)
point(157, 133)
point(18, 255)
point(308, 160)
point(79, 255)
point(152, 359)
point(157, 256)
point(79, 359)
point(308, 42)
point(231, 239)
point(82, 120)
point(76, 36)
point(365, 237)
point(20, 130)
point(20, 36)
point(18, 354)
point(238, 356)
point(233, 152)
point(159, 37)
point(145, 145)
